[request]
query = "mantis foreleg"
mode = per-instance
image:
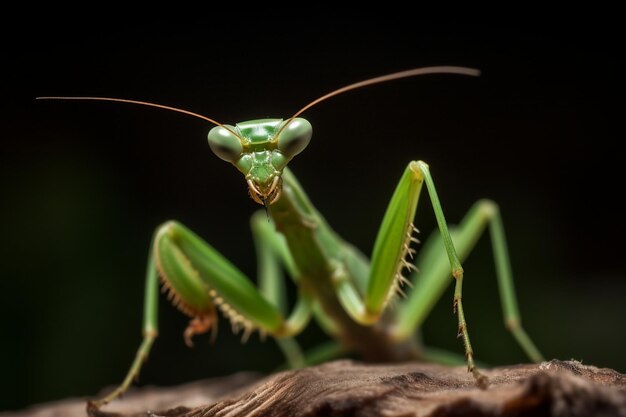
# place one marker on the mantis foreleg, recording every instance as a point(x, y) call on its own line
point(200, 281)
point(392, 248)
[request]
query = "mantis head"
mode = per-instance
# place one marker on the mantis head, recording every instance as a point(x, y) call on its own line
point(260, 149)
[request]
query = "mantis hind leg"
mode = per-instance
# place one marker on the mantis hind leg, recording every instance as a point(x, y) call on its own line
point(432, 280)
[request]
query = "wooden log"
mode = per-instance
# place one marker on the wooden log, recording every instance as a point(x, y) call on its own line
point(347, 388)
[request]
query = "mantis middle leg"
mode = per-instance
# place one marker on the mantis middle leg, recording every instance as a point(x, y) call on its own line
point(432, 280)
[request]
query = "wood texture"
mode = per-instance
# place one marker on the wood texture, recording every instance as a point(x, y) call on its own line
point(347, 388)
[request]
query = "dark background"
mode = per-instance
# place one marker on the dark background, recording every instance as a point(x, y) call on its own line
point(84, 184)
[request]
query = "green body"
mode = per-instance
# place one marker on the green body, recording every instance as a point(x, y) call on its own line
point(348, 294)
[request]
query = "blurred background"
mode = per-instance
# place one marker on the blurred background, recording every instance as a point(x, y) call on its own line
point(84, 184)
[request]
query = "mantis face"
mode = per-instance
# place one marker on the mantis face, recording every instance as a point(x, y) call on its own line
point(261, 149)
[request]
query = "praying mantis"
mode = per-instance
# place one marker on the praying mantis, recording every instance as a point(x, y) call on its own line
point(348, 294)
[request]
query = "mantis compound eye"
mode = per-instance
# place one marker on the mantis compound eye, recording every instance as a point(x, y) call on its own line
point(295, 137)
point(225, 144)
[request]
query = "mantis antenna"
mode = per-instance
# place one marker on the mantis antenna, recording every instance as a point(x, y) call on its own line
point(389, 77)
point(142, 103)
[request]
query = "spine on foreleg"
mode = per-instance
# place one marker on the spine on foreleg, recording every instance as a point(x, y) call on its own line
point(405, 264)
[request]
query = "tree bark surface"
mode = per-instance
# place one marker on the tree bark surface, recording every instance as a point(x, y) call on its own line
point(347, 388)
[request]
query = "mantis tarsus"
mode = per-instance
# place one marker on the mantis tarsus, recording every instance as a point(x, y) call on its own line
point(347, 293)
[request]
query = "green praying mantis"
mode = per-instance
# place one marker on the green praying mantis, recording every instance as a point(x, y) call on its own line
point(348, 294)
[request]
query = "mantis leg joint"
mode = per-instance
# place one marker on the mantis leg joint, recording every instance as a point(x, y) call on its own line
point(511, 324)
point(457, 273)
point(150, 334)
point(488, 207)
